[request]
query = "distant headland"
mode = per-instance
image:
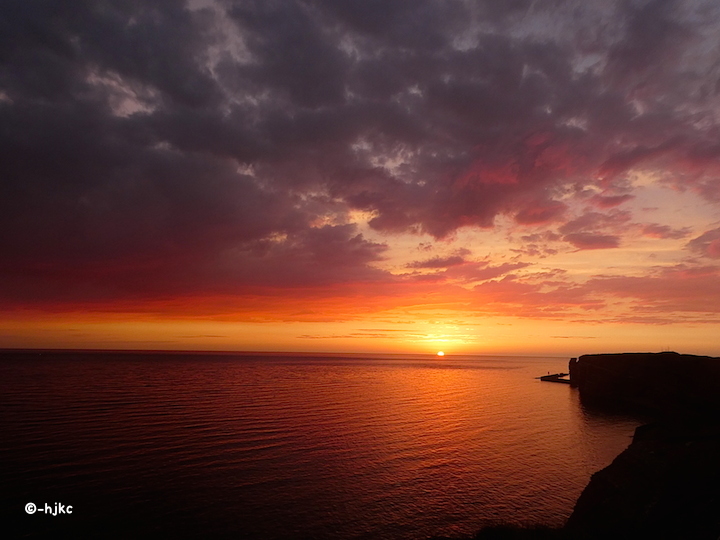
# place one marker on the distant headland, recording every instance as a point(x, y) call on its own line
point(658, 384)
point(666, 484)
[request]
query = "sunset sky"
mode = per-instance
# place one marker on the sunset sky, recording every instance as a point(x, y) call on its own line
point(491, 177)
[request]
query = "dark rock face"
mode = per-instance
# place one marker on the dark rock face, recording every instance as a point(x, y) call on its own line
point(666, 484)
point(662, 384)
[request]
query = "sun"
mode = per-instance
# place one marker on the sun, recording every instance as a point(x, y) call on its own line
point(440, 353)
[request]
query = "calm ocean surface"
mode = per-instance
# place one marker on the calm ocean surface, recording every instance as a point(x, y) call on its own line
point(292, 447)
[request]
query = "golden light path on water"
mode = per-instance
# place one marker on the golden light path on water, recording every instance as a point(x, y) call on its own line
point(398, 447)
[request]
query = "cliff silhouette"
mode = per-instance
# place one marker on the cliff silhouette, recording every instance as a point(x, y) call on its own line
point(666, 484)
point(662, 385)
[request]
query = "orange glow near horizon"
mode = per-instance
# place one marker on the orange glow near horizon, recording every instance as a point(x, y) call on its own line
point(643, 298)
point(381, 333)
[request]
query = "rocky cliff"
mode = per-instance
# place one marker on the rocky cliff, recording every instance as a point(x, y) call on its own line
point(666, 484)
point(661, 384)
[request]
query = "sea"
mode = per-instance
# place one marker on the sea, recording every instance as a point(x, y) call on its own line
point(273, 446)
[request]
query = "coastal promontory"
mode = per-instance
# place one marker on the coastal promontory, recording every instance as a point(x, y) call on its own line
point(666, 484)
point(657, 384)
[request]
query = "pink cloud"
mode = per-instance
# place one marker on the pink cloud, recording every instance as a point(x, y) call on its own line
point(655, 230)
point(483, 271)
point(592, 241)
point(596, 221)
point(540, 212)
point(610, 201)
point(666, 295)
point(595, 230)
point(469, 272)
point(622, 161)
point(707, 244)
point(528, 299)
point(437, 262)
point(667, 290)
point(538, 244)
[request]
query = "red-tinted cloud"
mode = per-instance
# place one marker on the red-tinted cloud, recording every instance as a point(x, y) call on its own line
point(594, 230)
point(170, 152)
point(437, 262)
point(595, 221)
point(540, 212)
point(610, 201)
point(674, 290)
point(665, 295)
point(707, 244)
point(655, 230)
point(592, 241)
point(483, 271)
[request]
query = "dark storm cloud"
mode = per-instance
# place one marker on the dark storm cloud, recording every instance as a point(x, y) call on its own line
point(653, 35)
point(170, 145)
point(311, 257)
